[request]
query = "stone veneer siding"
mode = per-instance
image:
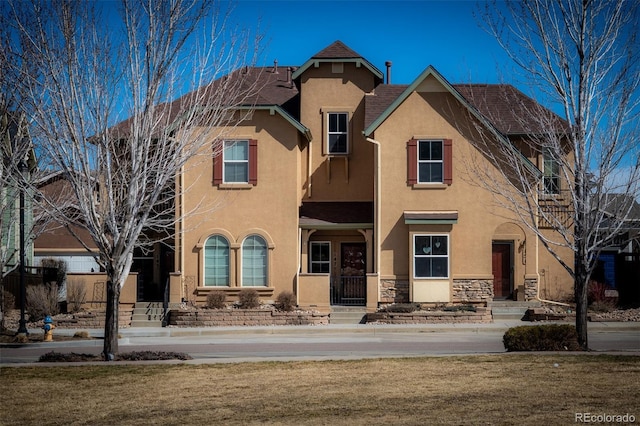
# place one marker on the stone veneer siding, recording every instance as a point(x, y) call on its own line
point(530, 289)
point(467, 291)
point(394, 291)
point(235, 317)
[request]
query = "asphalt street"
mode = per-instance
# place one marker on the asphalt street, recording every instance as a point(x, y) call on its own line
point(285, 343)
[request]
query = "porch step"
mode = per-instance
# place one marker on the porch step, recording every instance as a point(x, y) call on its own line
point(347, 315)
point(510, 310)
point(147, 314)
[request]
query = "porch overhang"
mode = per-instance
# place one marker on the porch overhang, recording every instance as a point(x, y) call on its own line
point(430, 217)
point(336, 215)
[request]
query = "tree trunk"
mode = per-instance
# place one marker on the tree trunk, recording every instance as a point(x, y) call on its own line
point(110, 348)
point(580, 288)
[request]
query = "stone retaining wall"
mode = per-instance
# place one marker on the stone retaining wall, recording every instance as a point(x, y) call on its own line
point(236, 317)
point(482, 315)
point(93, 319)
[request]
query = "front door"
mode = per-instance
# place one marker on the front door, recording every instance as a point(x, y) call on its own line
point(501, 266)
point(350, 287)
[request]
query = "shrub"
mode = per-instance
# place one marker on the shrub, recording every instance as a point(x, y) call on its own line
point(547, 337)
point(76, 295)
point(402, 308)
point(55, 270)
point(42, 300)
point(286, 301)
point(248, 298)
point(216, 300)
point(8, 301)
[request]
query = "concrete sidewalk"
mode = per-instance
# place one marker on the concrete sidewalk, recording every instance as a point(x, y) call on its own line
point(131, 334)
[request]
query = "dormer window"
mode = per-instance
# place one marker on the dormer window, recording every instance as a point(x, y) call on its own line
point(338, 133)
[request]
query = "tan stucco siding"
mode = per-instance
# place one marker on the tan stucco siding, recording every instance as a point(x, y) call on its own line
point(422, 116)
point(269, 209)
point(337, 178)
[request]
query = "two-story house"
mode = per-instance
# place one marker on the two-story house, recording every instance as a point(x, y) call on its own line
point(348, 190)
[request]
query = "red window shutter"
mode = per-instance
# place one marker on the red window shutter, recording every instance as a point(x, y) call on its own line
point(217, 164)
point(412, 162)
point(448, 161)
point(253, 161)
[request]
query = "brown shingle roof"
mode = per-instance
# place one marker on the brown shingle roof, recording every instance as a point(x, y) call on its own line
point(508, 109)
point(377, 102)
point(336, 50)
point(511, 111)
point(255, 86)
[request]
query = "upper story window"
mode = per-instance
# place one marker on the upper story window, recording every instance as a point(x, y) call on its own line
point(430, 161)
point(338, 133)
point(237, 163)
point(551, 174)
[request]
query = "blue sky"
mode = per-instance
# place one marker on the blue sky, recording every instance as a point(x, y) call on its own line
point(411, 34)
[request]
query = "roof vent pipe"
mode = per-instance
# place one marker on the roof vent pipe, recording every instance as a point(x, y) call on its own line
point(388, 65)
point(289, 82)
point(275, 66)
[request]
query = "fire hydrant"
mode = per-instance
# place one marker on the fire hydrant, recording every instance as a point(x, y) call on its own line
point(48, 329)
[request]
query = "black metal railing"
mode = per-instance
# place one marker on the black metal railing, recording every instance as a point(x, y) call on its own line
point(349, 290)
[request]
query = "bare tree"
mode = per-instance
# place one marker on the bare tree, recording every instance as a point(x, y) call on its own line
point(96, 66)
point(582, 57)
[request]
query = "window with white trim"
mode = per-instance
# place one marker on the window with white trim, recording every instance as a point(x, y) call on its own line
point(430, 161)
point(320, 257)
point(236, 161)
point(431, 256)
point(216, 261)
point(254, 261)
point(337, 133)
point(551, 174)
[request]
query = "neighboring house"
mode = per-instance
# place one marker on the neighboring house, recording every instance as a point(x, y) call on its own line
point(619, 261)
point(347, 190)
point(74, 246)
point(17, 152)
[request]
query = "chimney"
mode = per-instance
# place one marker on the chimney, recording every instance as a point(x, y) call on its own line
point(388, 65)
point(275, 66)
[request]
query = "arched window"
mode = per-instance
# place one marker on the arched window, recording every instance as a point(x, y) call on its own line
point(216, 261)
point(254, 261)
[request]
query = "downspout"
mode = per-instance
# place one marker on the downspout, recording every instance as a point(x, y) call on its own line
point(309, 169)
point(181, 236)
point(377, 209)
point(299, 264)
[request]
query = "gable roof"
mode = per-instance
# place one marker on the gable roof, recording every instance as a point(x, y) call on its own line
point(338, 52)
point(269, 88)
point(506, 108)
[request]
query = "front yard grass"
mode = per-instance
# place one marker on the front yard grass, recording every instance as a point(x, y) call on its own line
point(523, 389)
